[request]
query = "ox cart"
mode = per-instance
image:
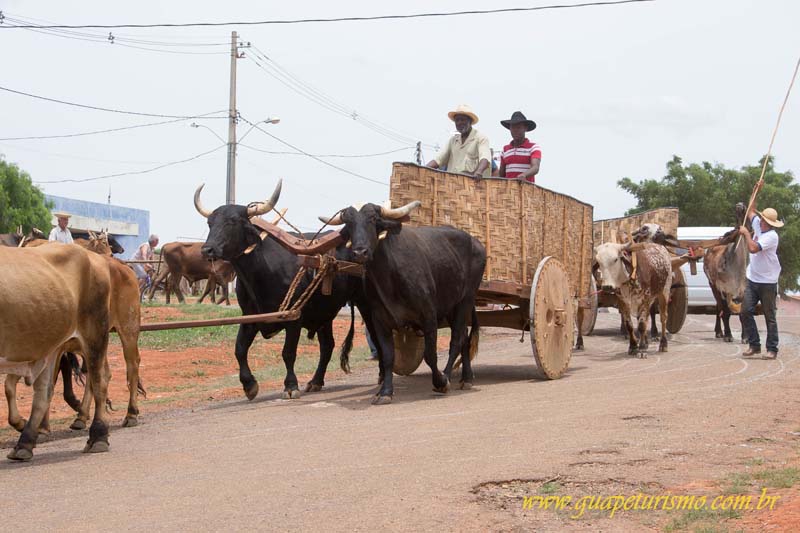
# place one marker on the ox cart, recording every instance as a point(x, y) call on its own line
point(620, 230)
point(539, 252)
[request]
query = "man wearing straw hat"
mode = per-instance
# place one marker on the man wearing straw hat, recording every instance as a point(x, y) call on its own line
point(60, 233)
point(762, 279)
point(468, 151)
point(521, 158)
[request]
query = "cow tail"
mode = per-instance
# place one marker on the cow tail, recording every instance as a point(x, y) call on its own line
point(474, 335)
point(77, 370)
point(347, 345)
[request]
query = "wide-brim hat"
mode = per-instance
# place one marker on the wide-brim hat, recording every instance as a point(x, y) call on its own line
point(770, 216)
point(463, 110)
point(61, 214)
point(518, 118)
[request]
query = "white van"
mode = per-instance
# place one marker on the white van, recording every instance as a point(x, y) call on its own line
point(701, 299)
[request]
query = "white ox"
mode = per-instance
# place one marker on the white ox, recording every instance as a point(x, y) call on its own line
point(637, 288)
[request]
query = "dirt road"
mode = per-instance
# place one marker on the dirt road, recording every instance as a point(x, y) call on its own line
point(687, 421)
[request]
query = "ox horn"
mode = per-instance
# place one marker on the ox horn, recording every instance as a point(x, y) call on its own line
point(335, 220)
point(199, 206)
point(261, 208)
point(400, 212)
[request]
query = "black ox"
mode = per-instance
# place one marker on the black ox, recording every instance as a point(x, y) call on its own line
point(264, 271)
point(418, 278)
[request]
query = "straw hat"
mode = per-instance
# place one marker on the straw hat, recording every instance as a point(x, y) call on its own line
point(770, 216)
point(61, 214)
point(463, 109)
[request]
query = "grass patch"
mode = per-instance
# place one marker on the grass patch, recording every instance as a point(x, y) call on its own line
point(198, 373)
point(173, 388)
point(778, 478)
point(704, 520)
point(755, 461)
point(738, 483)
point(551, 487)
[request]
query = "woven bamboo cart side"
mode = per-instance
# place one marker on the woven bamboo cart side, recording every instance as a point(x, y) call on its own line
point(518, 222)
point(618, 229)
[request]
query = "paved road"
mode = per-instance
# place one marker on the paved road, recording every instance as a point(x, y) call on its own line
point(331, 460)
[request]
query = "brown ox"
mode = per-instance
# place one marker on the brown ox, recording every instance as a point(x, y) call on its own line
point(71, 287)
point(184, 260)
point(725, 266)
point(124, 317)
point(637, 286)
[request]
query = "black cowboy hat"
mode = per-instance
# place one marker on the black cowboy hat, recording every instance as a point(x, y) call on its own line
point(516, 118)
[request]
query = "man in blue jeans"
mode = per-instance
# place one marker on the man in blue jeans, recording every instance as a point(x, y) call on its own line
point(762, 280)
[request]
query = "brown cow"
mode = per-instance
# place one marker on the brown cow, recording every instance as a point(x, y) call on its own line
point(71, 287)
point(725, 266)
point(124, 317)
point(184, 260)
point(637, 286)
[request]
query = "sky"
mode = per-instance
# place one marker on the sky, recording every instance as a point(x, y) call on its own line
point(616, 91)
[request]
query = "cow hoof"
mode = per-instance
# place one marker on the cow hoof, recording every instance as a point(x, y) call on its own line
point(466, 385)
point(19, 425)
point(578, 348)
point(130, 422)
point(718, 335)
point(78, 424)
point(633, 351)
point(290, 394)
point(442, 390)
point(313, 387)
point(381, 400)
point(98, 447)
point(251, 391)
point(21, 454)
point(728, 339)
point(642, 355)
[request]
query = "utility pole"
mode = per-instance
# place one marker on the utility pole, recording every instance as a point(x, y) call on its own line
point(230, 190)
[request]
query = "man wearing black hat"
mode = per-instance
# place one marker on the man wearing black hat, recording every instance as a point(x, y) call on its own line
point(521, 158)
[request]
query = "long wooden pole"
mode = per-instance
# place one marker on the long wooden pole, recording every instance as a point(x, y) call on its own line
point(760, 182)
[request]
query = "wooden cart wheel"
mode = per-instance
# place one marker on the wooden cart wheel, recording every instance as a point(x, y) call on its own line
point(678, 303)
point(552, 318)
point(408, 352)
point(590, 315)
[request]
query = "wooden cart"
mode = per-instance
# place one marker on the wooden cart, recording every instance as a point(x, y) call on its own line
point(618, 230)
point(539, 252)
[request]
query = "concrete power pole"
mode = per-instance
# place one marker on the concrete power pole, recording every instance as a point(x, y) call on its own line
point(230, 189)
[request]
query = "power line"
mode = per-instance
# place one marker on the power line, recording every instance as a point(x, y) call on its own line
point(359, 176)
point(338, 19)
point(295, 84)
point(134, 172)
point(97, 132)
point(96, 108)
point(354, 156)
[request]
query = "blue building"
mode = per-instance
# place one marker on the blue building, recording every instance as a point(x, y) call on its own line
point(130, 227)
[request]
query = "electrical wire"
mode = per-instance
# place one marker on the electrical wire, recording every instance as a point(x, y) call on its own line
point(354, 156)
point(97, 132)
point(337, 19)
point(131, 173)
point(96, 108)
point(350, 172)
point(295, 84)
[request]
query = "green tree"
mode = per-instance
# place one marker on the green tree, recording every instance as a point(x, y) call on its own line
point(21, 202)
point(706, 195)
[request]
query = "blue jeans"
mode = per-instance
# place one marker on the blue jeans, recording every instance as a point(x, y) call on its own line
point(767, 294)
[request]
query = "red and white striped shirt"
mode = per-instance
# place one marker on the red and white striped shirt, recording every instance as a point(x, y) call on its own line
point(517, 159)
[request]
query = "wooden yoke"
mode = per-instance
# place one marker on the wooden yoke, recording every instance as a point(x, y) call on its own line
point(297, 245)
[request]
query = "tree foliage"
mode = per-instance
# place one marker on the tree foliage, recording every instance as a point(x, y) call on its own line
point(706, 195)
point(21, 202)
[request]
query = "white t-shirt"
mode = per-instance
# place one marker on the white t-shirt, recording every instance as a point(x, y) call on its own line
point(764, 266)
point(59, 235)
